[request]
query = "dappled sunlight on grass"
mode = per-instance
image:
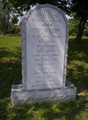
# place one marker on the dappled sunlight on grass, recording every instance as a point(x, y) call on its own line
point(77, 68)
point(10, 73)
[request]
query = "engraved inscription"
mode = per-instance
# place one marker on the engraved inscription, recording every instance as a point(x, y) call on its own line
point(46, 31)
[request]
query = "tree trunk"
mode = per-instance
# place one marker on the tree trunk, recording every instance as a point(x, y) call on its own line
point(4, 26)
point(80, 29)
point(4, 29)
point(4, 32)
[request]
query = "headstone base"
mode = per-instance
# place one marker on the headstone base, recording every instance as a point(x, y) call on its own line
point(21, 97)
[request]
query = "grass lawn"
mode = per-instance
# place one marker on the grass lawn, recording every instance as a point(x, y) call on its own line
point(10, 73)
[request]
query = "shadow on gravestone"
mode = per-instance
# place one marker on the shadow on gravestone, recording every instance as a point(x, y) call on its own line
point(44, 58)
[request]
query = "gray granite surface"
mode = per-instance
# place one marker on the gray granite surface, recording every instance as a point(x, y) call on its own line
point(21, 97)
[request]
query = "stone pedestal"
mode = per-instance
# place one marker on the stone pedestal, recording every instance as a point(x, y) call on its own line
point(21, 97)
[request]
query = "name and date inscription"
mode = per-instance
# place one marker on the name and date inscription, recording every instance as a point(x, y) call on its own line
point(47, 54)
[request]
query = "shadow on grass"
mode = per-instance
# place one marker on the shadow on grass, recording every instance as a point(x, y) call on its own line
point(77, 69)
point(48, 111)
point(63, 111)
point(77, 73)
point(15, 54)
point(10, 70)
point(10, 73)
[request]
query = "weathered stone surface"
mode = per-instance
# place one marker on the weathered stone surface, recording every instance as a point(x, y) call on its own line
point(21, 97)
point(44, 58)
point(44, 48)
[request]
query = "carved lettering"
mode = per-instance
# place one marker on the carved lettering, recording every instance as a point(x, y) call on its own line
point(45, 41)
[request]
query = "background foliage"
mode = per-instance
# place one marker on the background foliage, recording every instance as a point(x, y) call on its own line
point(73, 27)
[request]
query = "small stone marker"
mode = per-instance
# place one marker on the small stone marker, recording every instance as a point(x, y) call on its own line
point(44, 58)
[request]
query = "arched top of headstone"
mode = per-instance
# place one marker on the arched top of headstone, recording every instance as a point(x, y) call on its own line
point(47, 6)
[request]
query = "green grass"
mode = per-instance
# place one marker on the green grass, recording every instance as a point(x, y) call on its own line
point(10, 73)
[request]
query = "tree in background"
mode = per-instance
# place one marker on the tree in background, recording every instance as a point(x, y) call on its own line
point(4, 17)
point(8, 16)
point(73, 25)
point(80, 7)
point(85, 32)
point(68, 6)
point(25, 5)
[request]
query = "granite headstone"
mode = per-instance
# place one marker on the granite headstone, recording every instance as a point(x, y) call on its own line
point(44, 58)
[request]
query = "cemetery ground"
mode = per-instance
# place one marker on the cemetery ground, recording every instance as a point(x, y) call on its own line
point(10, 73)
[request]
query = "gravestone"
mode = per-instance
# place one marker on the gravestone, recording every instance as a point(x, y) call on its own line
point(44, 58)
